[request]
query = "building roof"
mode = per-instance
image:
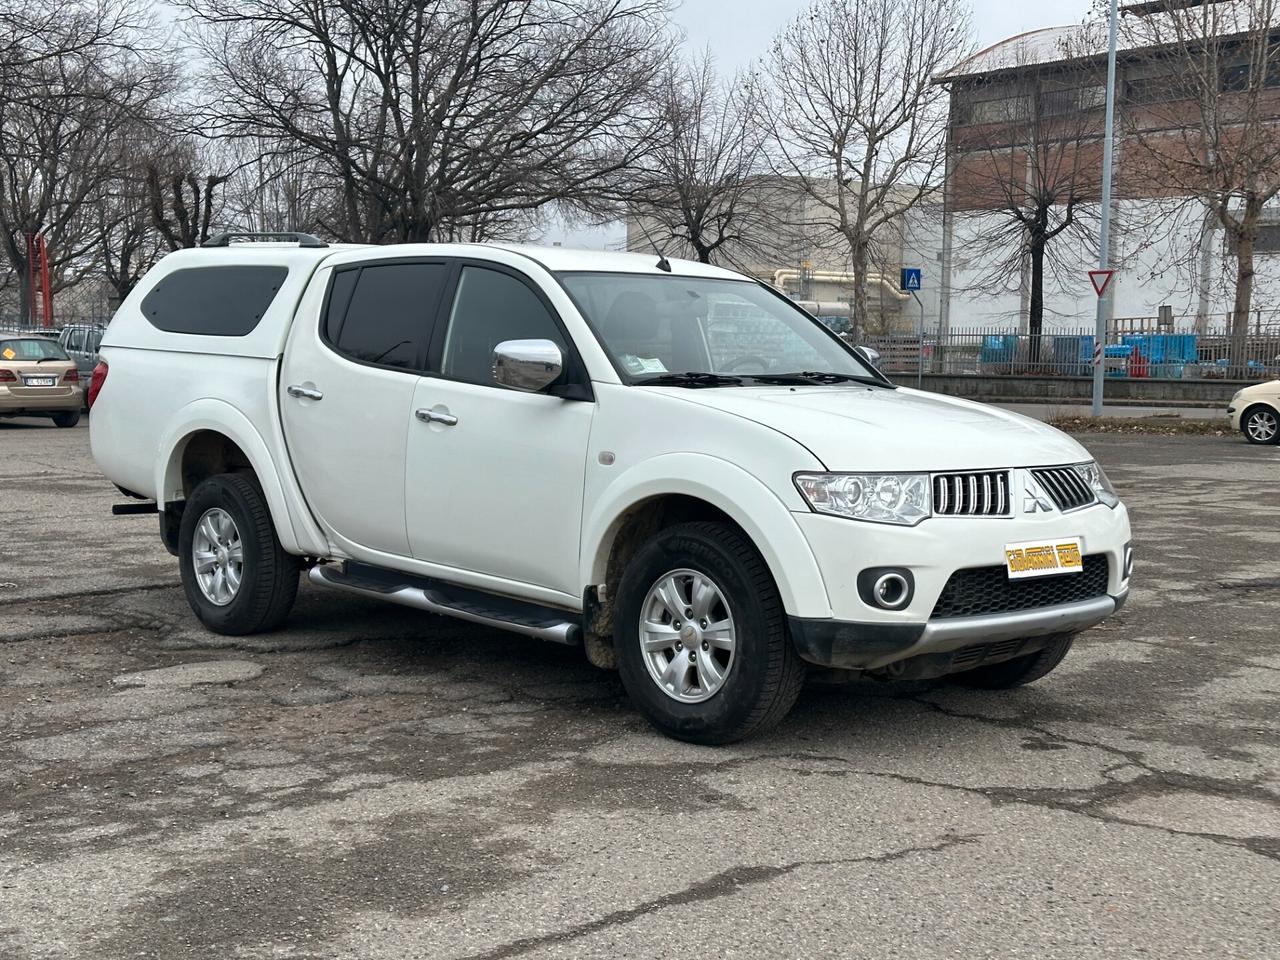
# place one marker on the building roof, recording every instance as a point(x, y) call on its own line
point(1146, 26)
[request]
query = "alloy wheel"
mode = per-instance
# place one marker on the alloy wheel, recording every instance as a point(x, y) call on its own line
point(217, 555)
point(687, 635)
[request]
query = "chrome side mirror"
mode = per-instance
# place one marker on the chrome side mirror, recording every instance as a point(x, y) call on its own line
point(529, 365)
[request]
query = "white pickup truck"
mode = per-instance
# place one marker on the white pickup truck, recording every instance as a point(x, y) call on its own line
point(664, 461)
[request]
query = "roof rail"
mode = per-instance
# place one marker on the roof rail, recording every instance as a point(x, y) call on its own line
point(288, 236)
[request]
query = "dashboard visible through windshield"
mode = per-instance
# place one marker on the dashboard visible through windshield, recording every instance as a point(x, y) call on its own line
point(701, 331)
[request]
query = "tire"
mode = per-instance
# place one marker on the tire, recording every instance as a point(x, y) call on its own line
point(763, 674)
point(67, 418)
point(1260, 425)
point(268, 580)
point(1018, 671)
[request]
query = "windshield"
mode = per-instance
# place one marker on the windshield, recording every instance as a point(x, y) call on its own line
point(657, 329)
point(31, 349)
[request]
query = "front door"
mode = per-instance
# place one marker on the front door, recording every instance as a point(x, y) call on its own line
point(495, 475)
point(346, 399)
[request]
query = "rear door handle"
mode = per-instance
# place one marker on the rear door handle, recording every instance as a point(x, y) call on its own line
point(303, 393)
point(430, 416)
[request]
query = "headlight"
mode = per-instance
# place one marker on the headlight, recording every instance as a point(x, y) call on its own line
point(1093, 475)
point(878, 497)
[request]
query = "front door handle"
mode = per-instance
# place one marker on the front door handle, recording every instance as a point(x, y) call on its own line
point(303, 393)
point(431, 416)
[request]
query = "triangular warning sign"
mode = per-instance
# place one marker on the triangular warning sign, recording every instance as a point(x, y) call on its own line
point(1101, 279)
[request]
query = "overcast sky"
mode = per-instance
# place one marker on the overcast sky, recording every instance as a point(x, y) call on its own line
point(739, 31)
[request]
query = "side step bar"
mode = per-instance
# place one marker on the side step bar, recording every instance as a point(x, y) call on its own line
point(434, 596)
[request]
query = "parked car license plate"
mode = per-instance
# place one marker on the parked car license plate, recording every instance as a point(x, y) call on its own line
point(1043, 558)
point(40, 381)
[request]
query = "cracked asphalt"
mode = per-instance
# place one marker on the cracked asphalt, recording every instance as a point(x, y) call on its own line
point(375, 783)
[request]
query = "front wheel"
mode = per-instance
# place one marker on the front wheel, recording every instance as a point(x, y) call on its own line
point(1261, 425)
point(701, 636)
point(1019, 671)
point(237, 577)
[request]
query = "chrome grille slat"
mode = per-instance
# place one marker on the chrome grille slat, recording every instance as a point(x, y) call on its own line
point(1068, 489)
point(977, 493)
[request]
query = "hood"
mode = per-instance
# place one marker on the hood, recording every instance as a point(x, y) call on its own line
point(860, 428)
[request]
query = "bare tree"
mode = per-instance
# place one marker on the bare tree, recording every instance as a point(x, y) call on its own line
point(856, 115)
point(68, 92)
point(434, 117)
point(1026, 156)
point(705, 186)
point(1206, 122)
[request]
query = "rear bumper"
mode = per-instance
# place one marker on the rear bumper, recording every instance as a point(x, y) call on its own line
point(868, 646)
point(29, 402)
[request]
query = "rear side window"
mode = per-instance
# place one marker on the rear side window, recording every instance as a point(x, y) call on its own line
point(382, 314)
point(213, 301)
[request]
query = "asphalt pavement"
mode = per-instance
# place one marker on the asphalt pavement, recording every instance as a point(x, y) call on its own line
point(376, 783)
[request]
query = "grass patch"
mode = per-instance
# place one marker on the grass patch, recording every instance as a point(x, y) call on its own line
point(1171, 426)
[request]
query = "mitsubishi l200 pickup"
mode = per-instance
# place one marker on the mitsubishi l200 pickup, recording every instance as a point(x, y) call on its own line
point(665, 462)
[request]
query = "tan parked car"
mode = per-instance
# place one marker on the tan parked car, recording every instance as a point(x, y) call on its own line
point(38, 379)
point(1255, 412)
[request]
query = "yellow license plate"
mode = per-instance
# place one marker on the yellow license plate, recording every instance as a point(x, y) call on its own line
point(1043, 558)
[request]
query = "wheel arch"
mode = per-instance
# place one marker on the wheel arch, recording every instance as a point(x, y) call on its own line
point(211, 436)
point(677, 487)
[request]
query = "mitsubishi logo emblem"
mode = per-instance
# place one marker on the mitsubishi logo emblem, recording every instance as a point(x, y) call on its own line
point(1035, 500)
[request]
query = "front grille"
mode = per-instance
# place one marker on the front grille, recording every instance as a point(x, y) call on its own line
point(1067, 488)
point(984, 590)
point(971, 494)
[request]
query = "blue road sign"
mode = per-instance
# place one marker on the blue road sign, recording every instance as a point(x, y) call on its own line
point(910, 278)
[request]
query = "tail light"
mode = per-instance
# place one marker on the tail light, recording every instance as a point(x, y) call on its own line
point(96, 381)
point(71, 376)
point(6, 376)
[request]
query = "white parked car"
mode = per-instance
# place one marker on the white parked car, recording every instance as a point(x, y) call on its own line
point(665, 461)
point(1255, 412)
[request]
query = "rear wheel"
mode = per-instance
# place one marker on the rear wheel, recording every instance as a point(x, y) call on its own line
point(1018, 671)
point(1260, 424)
point(67, 418)
point(237, 577)
point(701, 636)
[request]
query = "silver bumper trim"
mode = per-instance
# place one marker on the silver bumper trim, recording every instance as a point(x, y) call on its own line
point(943, 636)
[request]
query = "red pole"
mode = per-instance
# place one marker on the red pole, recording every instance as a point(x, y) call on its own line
point(46, 293)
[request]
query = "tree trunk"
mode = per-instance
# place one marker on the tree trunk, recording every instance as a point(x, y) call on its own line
point(24, 295)
point(1035, 309)
point(1245, 242)
point(861, 315)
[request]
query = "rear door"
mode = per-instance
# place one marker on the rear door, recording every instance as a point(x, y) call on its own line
point(496, 488)
point(346, 396)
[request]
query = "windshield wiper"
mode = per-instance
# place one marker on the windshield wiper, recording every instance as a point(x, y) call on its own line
point(690, 380)
point(811, 376)
point(43, 359)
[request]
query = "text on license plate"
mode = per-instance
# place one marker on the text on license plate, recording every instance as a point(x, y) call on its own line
point(40, 381)
point(1043, 558)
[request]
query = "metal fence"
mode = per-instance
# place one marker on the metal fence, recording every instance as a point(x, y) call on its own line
point(1156, 356)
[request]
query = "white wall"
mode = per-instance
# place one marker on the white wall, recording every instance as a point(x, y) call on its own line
point(1156, 249)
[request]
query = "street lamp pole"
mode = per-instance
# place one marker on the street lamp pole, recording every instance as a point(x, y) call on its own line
point(1104, 233)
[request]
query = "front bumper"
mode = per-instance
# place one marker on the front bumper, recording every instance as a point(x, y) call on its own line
point(857, 635)
point(870, 646)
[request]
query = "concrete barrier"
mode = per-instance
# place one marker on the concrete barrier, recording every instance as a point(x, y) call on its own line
point(1071, 390)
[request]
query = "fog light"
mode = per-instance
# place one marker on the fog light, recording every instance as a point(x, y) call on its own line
point(889, 588)
point(1128, 561)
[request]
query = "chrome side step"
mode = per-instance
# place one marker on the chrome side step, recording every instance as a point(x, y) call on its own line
point(433, 596)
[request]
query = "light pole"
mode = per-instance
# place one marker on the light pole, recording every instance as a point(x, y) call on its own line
point(1104, 232)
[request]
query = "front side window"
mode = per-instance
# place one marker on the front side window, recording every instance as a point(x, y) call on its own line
point(657, 326)
point(490, 307)
point(382, 313)
point(32, 349)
